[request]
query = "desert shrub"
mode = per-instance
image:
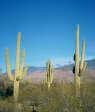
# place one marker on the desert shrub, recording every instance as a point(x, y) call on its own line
point(9, 91)
point(6, 89)
point(59, 98)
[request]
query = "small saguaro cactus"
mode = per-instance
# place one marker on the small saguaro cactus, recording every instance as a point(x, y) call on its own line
point(80, 65)
point(49, 74)
point(20, 69)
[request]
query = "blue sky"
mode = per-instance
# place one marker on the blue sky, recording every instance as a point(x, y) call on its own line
point(48, 29)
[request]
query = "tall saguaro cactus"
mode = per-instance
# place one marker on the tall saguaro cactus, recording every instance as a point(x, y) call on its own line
point(80, 65)
point(49, 74)
point(20, 69)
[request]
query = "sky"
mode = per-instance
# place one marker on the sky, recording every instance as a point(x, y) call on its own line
point(48, 29)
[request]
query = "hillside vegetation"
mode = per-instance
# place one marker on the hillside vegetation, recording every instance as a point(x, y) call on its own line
point(59, 98)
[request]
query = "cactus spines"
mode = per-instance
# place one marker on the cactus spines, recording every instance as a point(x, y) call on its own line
point(49, 74)
point(80, 65)
point(20, 69)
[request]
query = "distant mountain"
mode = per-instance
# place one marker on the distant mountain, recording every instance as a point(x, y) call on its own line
point(65, 73)
point(90, 65)
point(31, 69)
point(34, 68)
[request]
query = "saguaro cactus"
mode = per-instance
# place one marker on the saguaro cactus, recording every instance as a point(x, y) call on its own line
point(20, 69)
point(80, 65)
point(49, 74)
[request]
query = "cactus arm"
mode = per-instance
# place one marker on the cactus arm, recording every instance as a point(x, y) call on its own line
point(45, 77)
point(23, 59)
point(82, 64)
point(22, 65)
point(17, 64)
point(51, 73)
point(24, 69)
point(24, 72)
point(85, 66)
point(8, 66)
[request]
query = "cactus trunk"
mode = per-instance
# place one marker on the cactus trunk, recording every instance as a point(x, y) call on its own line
point(8, 66)
point(16, 90)
point(77, 78)
point(16, 79)
point(77, 86)
point(17, 64)
point(82, 63)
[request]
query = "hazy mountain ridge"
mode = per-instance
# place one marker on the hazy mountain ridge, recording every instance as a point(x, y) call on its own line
point(37, 74)
point(90, 65)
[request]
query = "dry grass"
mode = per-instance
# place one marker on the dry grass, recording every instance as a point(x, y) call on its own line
point(59, 98)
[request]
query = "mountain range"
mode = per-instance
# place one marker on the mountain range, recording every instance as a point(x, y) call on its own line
point(90, 65)
point(37, 74)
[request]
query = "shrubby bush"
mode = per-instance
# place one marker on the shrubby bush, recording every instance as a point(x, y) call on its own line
point(59, 98)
